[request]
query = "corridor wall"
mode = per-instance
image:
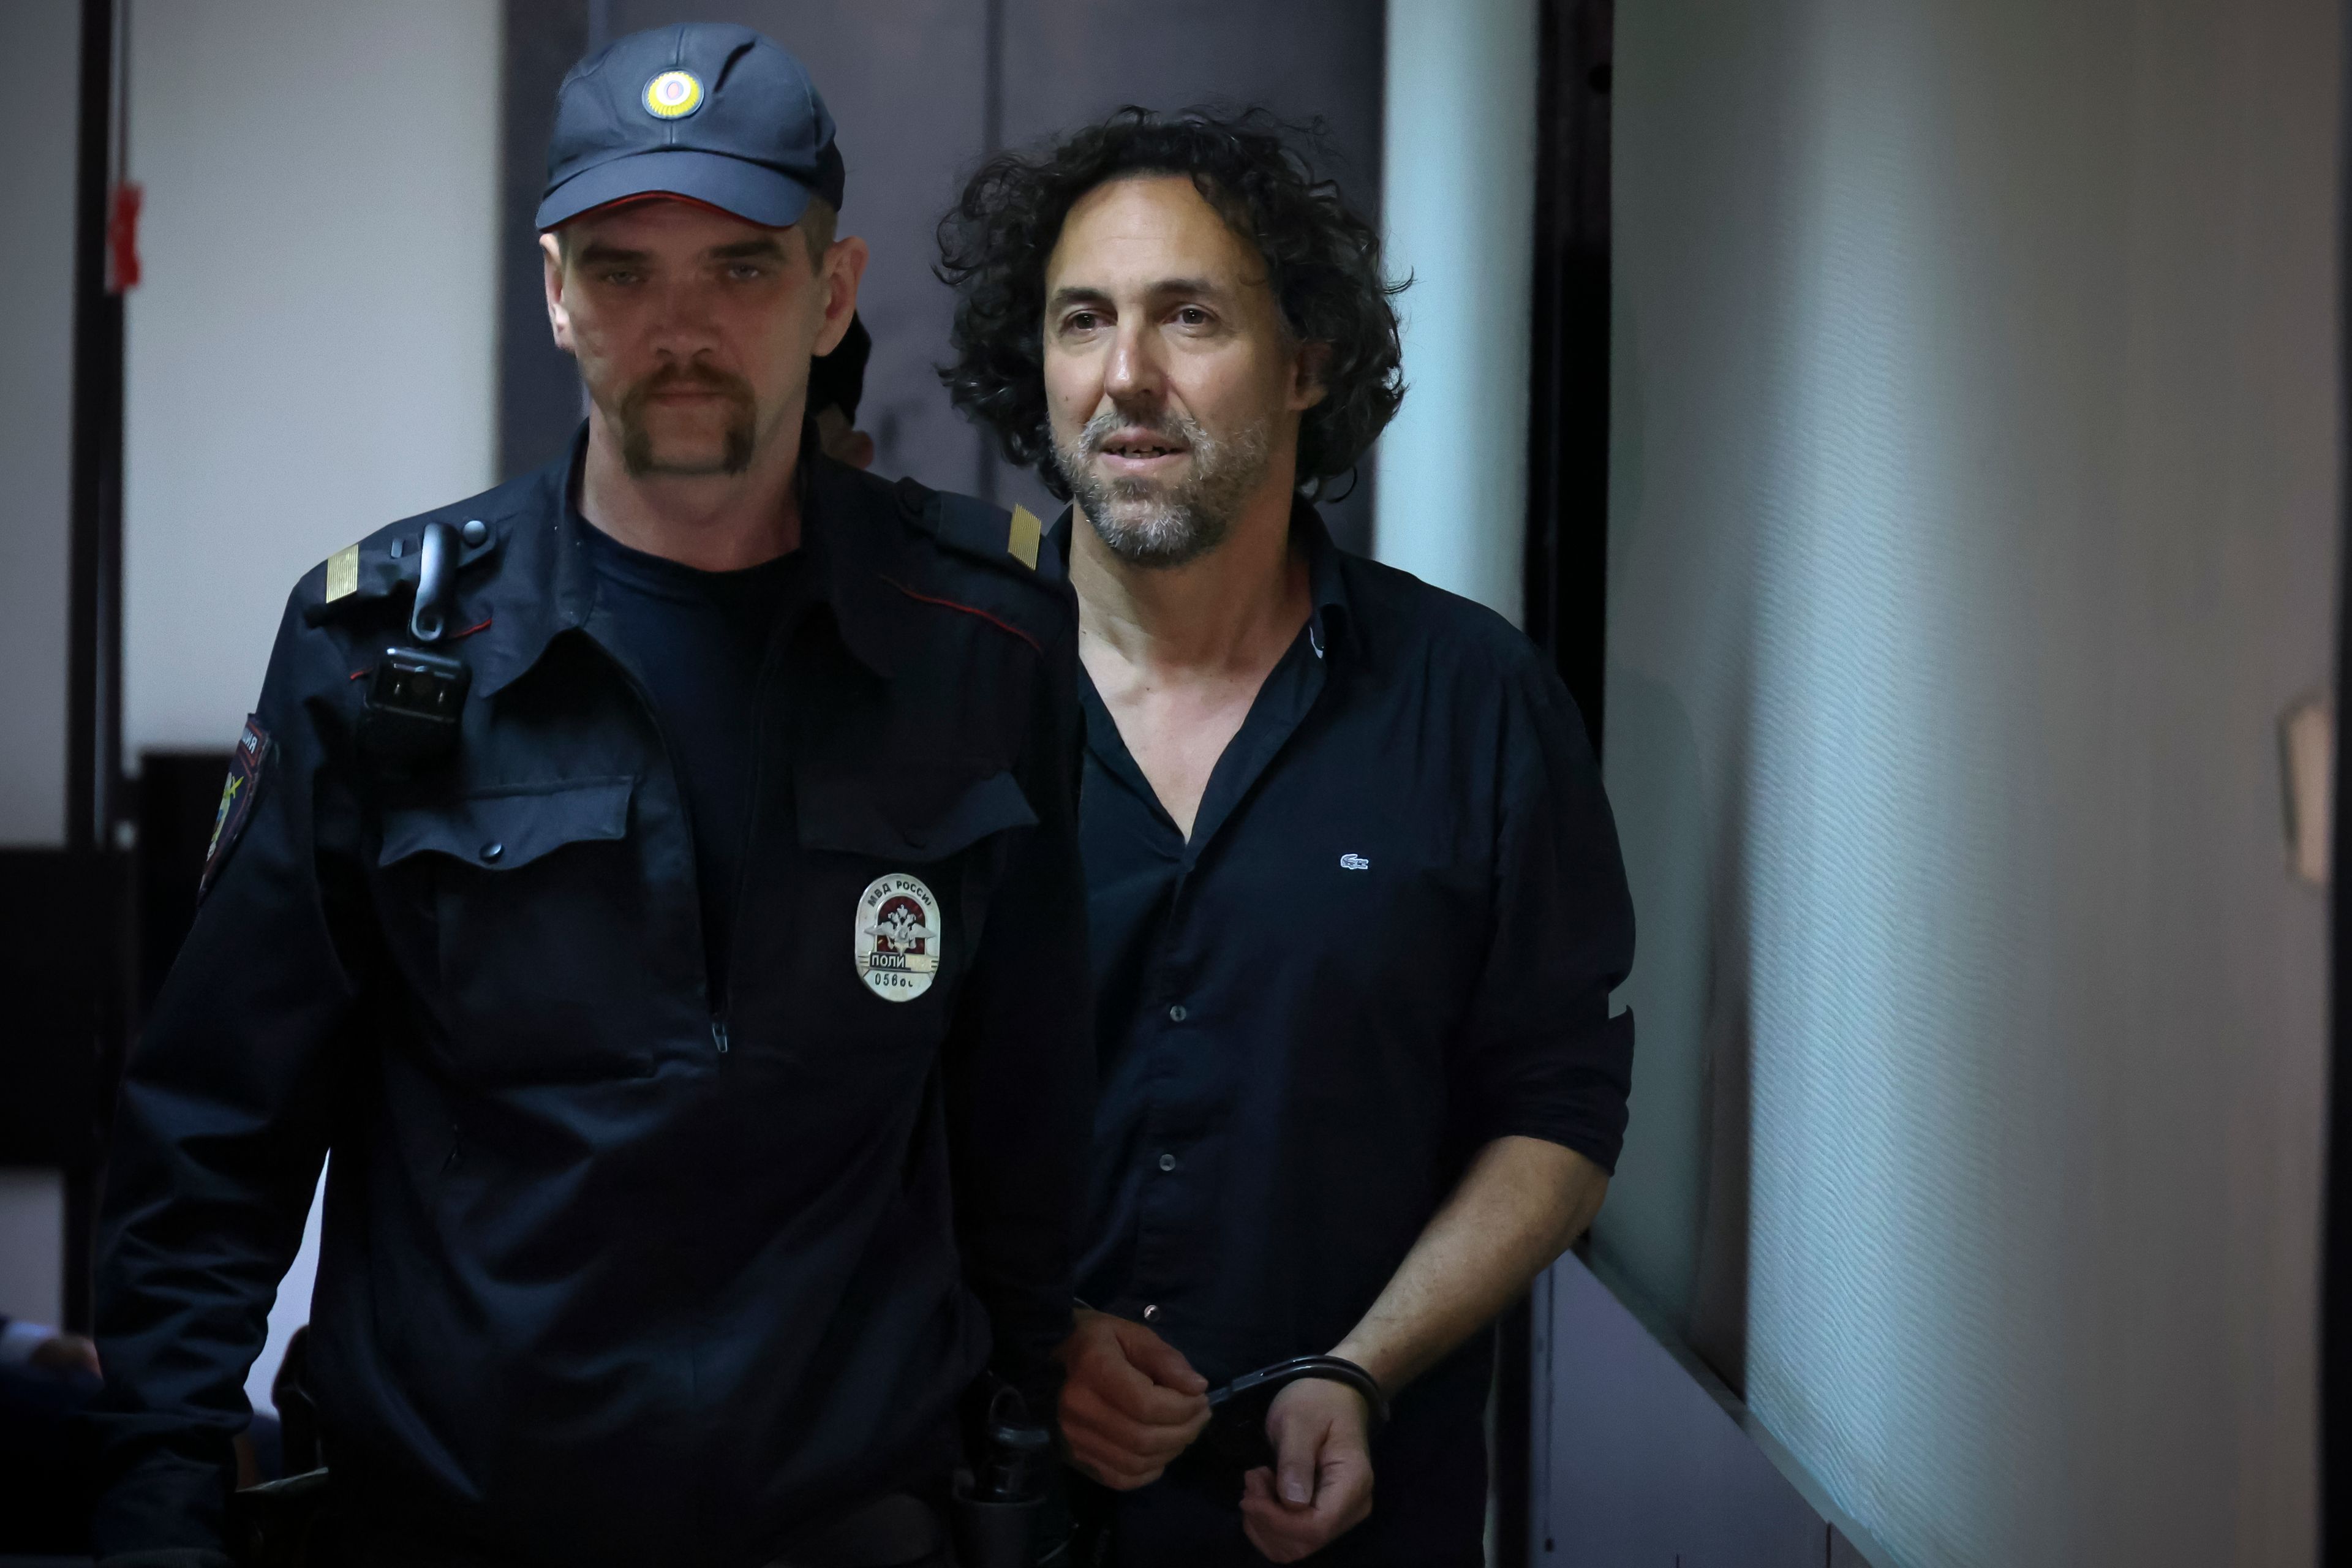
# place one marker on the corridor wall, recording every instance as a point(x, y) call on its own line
point(313, 347)
point(1974, 485)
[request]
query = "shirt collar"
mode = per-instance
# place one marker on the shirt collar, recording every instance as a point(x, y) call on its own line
point(1330, 615)
point(548, 560)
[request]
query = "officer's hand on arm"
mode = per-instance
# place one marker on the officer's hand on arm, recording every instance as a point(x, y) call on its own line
point(1321, 1483)
point(1131, 1403)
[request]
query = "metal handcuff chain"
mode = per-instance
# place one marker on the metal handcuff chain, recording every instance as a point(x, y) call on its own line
point(1235, 1439)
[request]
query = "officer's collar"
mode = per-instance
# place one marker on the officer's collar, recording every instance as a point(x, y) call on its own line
point(849, 553)
point(1327, 617)
point(548, 555)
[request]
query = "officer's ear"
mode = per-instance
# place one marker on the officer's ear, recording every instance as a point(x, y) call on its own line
point(551, 260)
point(838, 276)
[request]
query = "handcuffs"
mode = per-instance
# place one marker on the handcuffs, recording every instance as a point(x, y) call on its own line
point(1234, 1442)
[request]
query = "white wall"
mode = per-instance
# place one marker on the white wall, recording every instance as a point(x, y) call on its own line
point(312, 349)
point(33, 1245)
point(38, 128)
point(312, 353)
point(1457, 205)
point(1974, 508)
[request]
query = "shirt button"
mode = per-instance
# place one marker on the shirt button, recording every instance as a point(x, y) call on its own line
point(492, 851)
point(1167, 1161)
point(1176, 1014)
point(1150, 1314)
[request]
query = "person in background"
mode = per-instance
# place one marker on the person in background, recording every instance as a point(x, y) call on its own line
point(1356, 898)
point(655, 881)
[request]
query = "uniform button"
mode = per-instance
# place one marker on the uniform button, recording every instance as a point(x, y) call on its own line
point(1176, 1014)
point(1167, 1161)
point(492, 851)
point(1150, 1313)
point(473, 532)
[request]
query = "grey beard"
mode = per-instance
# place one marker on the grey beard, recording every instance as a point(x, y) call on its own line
point(1158, 527)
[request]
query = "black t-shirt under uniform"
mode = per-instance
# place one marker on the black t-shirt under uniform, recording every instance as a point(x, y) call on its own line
point(697, 642)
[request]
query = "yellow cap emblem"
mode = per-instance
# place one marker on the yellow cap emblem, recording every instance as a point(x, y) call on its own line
point(673, 95)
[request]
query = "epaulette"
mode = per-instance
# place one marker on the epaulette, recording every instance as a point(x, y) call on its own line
point(385, 564)
point(1008, 541)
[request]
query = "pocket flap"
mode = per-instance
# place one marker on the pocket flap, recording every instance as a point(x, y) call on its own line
point(911, 811)
point(512, 827)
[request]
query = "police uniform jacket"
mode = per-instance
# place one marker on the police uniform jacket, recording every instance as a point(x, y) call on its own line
point(610, 1275)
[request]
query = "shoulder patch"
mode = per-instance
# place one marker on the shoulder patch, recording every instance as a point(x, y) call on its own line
point(1022, 539)
point(343, 573)
point(970, 526)
point(244, 781)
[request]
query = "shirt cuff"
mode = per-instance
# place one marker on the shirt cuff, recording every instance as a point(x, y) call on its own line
point(19, 1340)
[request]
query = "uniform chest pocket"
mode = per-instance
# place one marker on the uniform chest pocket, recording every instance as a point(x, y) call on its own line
point(537, 902)
point(898, 863)
point(910, 812)
point(507, 830)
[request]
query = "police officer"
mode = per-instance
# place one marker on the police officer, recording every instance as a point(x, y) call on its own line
point(655, 880)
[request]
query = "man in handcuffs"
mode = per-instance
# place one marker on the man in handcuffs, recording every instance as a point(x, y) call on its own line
point(1356, 904)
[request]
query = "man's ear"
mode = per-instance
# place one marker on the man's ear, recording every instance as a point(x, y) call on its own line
point(844, 264)
point(551, 269)
point(1307, 388)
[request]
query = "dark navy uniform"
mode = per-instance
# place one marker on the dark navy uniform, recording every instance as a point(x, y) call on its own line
point(616, 1270)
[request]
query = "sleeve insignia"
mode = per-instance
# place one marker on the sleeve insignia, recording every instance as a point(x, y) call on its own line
point(237, 798)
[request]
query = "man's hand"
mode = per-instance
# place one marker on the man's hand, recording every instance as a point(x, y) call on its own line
point(1321, 1484)
point(1132, 1403)
point(63, 1355)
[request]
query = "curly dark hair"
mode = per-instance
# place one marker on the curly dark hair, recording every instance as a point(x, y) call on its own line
point(1321, 259)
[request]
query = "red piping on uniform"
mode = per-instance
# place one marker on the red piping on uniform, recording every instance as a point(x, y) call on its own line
point(359, 674)
point(968, 610)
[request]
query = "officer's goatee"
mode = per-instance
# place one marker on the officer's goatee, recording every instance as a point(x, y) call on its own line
point(641, 455)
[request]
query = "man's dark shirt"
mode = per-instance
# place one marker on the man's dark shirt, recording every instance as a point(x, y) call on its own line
point(606, 1277)
point(1391, 938)
point(699, 640)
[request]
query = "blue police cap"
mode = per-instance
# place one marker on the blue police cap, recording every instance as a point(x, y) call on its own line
point(713, 112)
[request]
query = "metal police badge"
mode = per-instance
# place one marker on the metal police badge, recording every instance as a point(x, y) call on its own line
point(673, 95)
point(899, 937)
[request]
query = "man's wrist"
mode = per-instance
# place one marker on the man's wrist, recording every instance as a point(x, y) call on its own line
point(1377, 1365)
